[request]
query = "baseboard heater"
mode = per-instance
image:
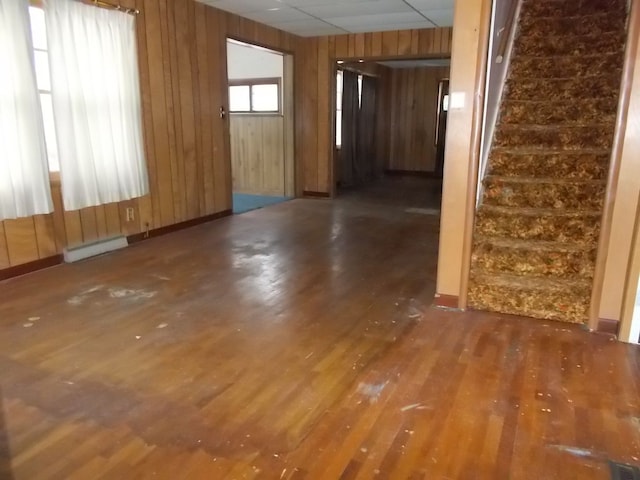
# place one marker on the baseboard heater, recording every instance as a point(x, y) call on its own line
point(94, 249)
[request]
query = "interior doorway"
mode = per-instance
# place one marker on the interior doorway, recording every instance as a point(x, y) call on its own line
point(260, 125)
point(390, 130)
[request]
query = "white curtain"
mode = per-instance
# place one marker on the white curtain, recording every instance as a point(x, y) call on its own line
point(96, 103)
point(24, 174)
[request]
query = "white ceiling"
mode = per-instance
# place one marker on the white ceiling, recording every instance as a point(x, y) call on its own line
point(310, 18)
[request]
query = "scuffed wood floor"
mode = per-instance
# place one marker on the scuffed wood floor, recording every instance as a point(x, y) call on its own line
point(298, 342)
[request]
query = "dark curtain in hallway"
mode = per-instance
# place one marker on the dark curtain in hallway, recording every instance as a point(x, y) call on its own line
point(350, 113)
point(365, 164)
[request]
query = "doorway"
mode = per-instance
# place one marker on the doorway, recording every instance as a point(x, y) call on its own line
point(260, 125)
point(390, 126)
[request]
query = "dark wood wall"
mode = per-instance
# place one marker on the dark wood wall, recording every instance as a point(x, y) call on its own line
point(315, 71)
point(183, 73)
point(407, 117)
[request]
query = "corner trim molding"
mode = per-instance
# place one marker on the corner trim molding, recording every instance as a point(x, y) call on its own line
point(445, 301)
point(608, 327)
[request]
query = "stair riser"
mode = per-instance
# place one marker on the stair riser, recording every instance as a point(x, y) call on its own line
point(535, 46)
point(565, 67)
point(582, 230)
point(572, 307)
point(497, 259)
point(563, 90)
point(566, 139)
point(583, 166)
point(537, 8)
point(563, 113)
point(541, 195)
point(575, 26)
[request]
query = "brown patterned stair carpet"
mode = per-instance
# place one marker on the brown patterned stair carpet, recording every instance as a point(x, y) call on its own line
point(537, 225)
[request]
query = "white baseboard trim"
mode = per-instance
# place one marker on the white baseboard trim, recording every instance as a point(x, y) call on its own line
point(93, 249)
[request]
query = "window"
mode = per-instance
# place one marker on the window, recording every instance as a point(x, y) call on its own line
point(41, 56)
point(255, 95)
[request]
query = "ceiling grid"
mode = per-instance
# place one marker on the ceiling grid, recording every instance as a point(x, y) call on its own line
point(309, 18)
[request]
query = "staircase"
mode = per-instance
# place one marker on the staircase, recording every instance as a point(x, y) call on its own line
point(537, 225)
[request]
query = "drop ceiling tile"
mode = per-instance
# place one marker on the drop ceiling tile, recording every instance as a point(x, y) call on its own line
point(312, 3)
point(376, 20)
point(283, 14)
point(245, 6)
point(349, 9)
point(309, 28)
point(442, 18)
point(431, 4)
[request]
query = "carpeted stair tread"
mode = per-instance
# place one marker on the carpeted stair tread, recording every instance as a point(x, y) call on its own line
point(550, 246)
point(563, 138)
point(541, 297)
point(567, 164)
point(558, 225)
point(570, 45)
point(552, 113)
point(541, 193)
point(563, 89)
point(566, 66)
point(524, 257)
point(590, 24)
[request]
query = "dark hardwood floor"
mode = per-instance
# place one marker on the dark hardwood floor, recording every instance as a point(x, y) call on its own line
point(298, 341)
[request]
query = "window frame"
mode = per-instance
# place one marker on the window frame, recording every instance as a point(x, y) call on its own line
point(252, 82)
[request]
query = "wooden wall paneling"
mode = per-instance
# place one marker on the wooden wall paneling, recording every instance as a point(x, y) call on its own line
point(4, 250)
point(390, 43)
point(216, 83)
point(325, 107)
point(73, 228)
point(205, 145)
point(342, 46)
point(163, 188)
point(188, 109)
point(173, 35)
point(22, 246)
point(415, 42)
point(88, 225)
point(150, 207)
point(376, 44)
point(360, 45)
point(404, 42)
point(289, 128)
point(60, 234)
point(112, 212)
point(409, 98)
point(45, 235)
point(101, 221)
point(310, 114)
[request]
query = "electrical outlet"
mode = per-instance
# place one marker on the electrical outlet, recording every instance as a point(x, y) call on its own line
point(131, 216)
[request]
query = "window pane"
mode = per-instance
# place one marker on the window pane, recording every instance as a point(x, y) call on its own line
point(445, 103)
point(38, 28)
point(239, 100)
point(50, 132)
point(42, 70)
point(338, 128)
point(265, 98)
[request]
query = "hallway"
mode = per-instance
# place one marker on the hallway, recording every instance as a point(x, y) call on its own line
point(298, 341)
